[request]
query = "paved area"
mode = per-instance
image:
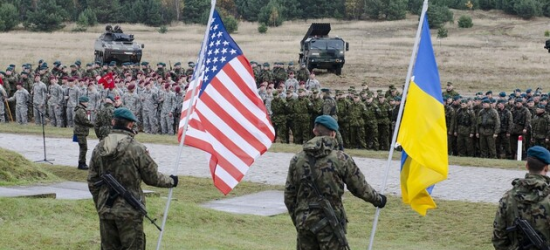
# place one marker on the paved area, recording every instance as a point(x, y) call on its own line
point(464, 183)
point(266, 203)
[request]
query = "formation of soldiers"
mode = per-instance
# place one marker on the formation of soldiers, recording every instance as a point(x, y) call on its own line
point(51, 95)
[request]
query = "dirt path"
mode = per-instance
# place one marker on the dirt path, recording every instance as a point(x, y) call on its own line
point(464, 183)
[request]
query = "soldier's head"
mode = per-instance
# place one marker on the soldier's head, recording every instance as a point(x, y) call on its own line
point(519, 102)
point(71, 82)
point(530, 102)
point(489, 94)
point(91, 86)
point(312, 75)
point(501, 104)
point(265, 66)
point(540, 109)
point(544, 101)
point(73, 68)
point(19, 85)
point(486, 103)
point(302, 93)
point(53, 79)
point(291, 75)
point(449, 86)
point(110, 98)
point(123, 118)
point(464, 104)
point(131, 87)
point(356, 98)
point(381, 98)
point(538, 159)
point(325, 125)
point(147, 84)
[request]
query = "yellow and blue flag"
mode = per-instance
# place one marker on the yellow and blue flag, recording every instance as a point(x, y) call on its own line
point(423, 132)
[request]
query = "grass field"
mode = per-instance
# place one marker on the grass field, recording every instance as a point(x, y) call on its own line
point(276, 147)
point(500, 52)
point(64, 224)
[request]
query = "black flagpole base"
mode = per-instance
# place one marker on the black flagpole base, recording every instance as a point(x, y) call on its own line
point(45, 161)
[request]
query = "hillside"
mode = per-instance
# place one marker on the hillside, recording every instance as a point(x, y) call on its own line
point(500, 52)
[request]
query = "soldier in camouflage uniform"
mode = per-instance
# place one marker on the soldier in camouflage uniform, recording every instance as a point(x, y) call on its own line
point(191, 69)
point(450, 90)
point(317, 105)
point(383, 119)
point(449, 121)
point(356, 123)
point(95, 101)
point(488, 125)
point(3, 97)
point(333, 169)
point(522, 121)
point(131, 100)
point(82, 127)
point(303, 73)
point(529, 199)
point(540, 127)
point(72, 93)
point(21, 98)
point(102, 126)
point(371, 124)
point(300, 110)
point(279, 116)
point(279, 73)
point(129, 162)
point(167, 112)
point(266, 75)
point(39, 94)
point(55, 103)
point(464, 129)
point(503, 139)
point(149, 100)
point(343, 104)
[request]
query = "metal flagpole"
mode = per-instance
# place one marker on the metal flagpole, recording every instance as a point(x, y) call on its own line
point(196, 82)
point(399, 116)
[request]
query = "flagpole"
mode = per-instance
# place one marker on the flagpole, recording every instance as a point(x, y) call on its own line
point(187, 117)
point(399, 116)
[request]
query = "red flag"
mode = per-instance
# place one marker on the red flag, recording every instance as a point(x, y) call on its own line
point(107, 81)
point(228, 118)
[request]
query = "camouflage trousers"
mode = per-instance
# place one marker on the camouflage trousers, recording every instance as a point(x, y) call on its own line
point(280, 130)
point(56, 115)
point(21, 114)
point(83, 148)
point(322, 240)
point(502, 144)
point(357, 135)
point(487, 146)
point(465, 145)
point(301, 131)
point(150, 121)
point(166, 123)
point(122, 234)
point(39, 113)
point(70, 116)
point(384, 136)
point(371, 132)
point(2, 111)
point(344, 130)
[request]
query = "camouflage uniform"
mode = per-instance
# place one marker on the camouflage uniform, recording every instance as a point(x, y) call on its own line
point(71, 96)
point(503, 139)
point(357, 125)
point(302, 74)
point(522, 121)
point(266, 76)
point(103, 122)
point(540, 130)
point(464, 130)
point(55, 105)
point(149, 110)
point(121, 226)
point(131, 101)
point(3, 96)
point(39, 92)
point(343, 105)
point(301, 110)
point(488, 125)
point(95, 103)
point(167, 112)
point(383, 119)
point(279, 116)
point(529, 199)
point(21, 98)
point(82, 127)
point(371, 126)
point(449, 121)
point(335, 168)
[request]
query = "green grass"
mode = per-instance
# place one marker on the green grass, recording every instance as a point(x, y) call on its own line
point(276, 147)
point(65, 224)
point(16, 170)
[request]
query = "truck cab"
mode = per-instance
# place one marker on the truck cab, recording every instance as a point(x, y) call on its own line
point(319, 51)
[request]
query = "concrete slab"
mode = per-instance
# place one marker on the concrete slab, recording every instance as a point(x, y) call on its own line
point(69, 190)
point(266, 203)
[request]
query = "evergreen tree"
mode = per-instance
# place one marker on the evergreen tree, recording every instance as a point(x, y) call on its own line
point(195, 11)
point(107, 11)
point(527, 9)
point(250, 9)
point(439, 15)
point(487, 4)
point(9, 17)
point(271, 14)
point(48, 16)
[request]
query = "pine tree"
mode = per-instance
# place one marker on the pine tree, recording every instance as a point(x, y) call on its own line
point(48, 16)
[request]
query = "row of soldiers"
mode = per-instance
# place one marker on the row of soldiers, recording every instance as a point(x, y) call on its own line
point(155, 98)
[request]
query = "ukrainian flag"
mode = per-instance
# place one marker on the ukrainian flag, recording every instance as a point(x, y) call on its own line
point(423, 133)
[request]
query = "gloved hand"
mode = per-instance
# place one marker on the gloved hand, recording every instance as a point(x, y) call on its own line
point(382, 202)
point(175, 178)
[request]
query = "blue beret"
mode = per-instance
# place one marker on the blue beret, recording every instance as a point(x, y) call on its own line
point(530, 100)
point(77, 62)
point(540, 153)
point(124, 113)
point(12, 65)
point(519, 99)
point(485, 100)
point(177, 64)
point(518, 90)
point(541, 106)
point(83, 99)
point(110, 96)
point(489, 92)
point(325, 90)
point(501, 101)
point(113, 63)
point(327, 121)
point(144, 63)
point(266, 64)
point(88, 65)
point(456, 97)
point(502, 94)
point(528, 91)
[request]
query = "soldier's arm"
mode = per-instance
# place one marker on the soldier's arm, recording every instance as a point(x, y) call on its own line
point(290, 190)
point(94, 176)
point(510, 123)
point(473, 122)
point(497, 121)
point(148, 169)
point(500, 238)
point(356, 183)
point(527, 119)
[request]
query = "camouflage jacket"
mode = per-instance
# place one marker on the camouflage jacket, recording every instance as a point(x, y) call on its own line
point(529, 199)
point(369, 116)
point(103, 123)
point(21, 97)
point(55, 95)
point(334, 169)
point(450, 115)
point(39, 92)
point(355, 114)
point(541, 126)
point(301, 108)
point(464, 122)
point(278, 110)
point(506, 121)
point(302, 74)
point(342, 105)
point(522, 119)
point(488, 122)
point(129, 162)
point(82, 124)
point(266, 76)
point(330, 107)
point(383, 113)
point(132, 102)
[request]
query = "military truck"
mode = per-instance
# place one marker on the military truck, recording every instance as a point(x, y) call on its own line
point(319, 51)
point(114, 45)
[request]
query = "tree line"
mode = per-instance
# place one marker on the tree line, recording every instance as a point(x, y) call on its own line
point(49, 15)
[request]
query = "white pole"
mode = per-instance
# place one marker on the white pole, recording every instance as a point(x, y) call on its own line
point(399, 116)
point(520, 148)
point(196, 81)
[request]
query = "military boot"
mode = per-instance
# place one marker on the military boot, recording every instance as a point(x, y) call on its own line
point(82, 166)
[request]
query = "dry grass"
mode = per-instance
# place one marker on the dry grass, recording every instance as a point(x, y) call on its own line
point(500, 52)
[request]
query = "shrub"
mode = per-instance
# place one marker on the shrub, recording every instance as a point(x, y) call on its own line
point(230, 23)
point(547, 33)
point(465, 22)
point(163, 29)
point(262, 28)
point(442, 32)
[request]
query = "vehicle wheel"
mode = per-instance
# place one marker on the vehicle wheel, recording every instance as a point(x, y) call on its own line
point(338, 71)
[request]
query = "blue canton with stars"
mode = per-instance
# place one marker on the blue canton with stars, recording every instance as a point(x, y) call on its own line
point(220, 49)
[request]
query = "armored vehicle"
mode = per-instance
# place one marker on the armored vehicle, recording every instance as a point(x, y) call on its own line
point(319, 51)
point(114, 45)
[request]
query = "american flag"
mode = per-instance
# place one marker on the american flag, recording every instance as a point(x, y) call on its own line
point(228, 118)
